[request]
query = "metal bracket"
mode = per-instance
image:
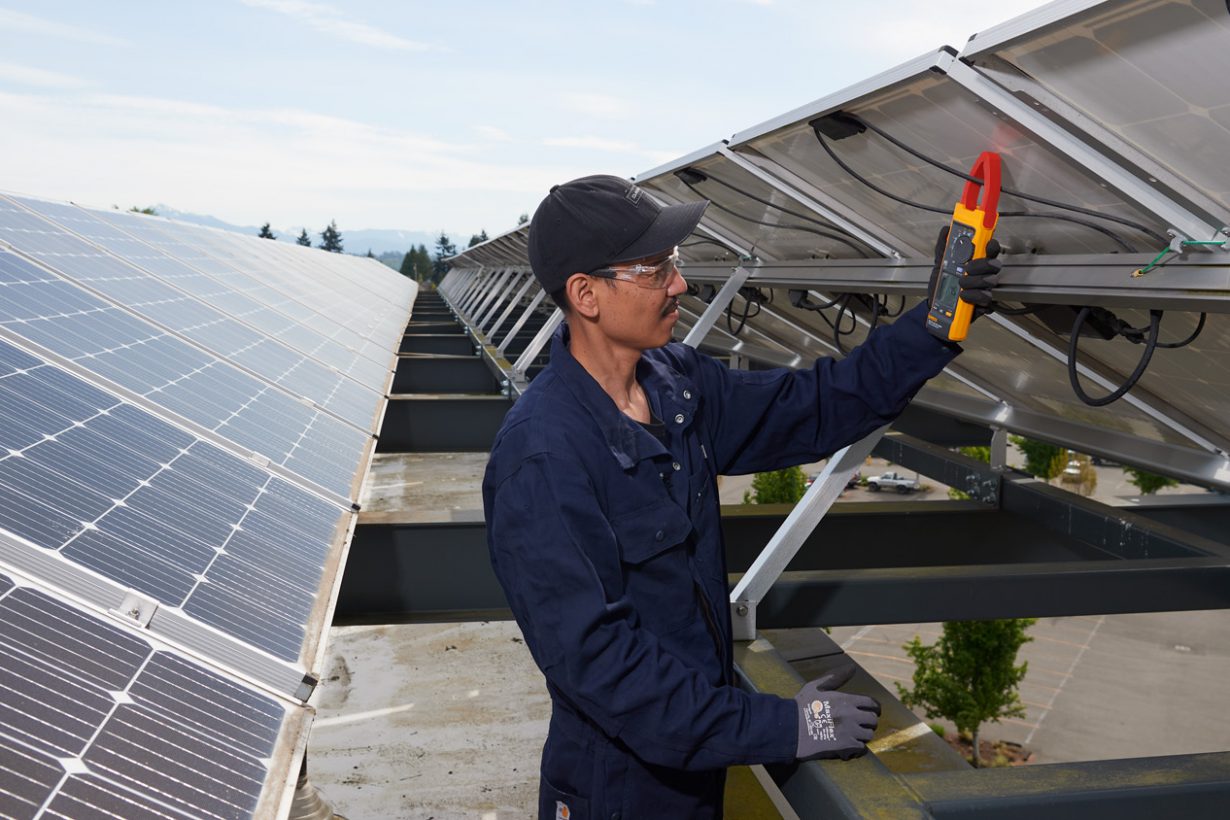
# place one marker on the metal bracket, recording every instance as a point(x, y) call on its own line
point(136, 608)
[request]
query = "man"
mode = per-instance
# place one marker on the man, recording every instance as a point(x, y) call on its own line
point(603, 518)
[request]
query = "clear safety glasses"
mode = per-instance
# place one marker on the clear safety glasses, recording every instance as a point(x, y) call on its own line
point(653, 277)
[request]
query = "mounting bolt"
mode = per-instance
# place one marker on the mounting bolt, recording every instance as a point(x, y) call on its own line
point(741, 610)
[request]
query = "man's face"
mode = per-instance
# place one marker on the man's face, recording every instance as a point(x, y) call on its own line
point(635, 314)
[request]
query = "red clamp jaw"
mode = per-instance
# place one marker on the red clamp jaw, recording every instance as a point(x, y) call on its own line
point(986, 169)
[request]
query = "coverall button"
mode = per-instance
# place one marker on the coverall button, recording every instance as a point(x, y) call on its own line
point(659, 535)
point(676, 465)
point(679, 419)
point(615, 816)
point(687, 394)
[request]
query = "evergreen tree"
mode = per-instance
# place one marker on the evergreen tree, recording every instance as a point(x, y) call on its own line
point(331, 238)
point(777, 487)
point(478, 238)
point(370, 255)
point(521, 220)
point(444, 249)
point(407, 264)
point(304, 239)
point(422, 264)
point(1042, 460)
point(148, 211)
point(968, 675)
point(1146, 481)
point(266, 233)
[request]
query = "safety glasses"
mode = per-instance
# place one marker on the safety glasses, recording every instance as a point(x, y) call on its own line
point(652, 277)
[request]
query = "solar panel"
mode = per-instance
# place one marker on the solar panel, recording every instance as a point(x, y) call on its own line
point(276, 302)
point(123, 278)
point(111, 342)
point(112, 488)
point(98, 722)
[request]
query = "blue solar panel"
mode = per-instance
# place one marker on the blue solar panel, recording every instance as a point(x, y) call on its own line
point(155, 509)
point(97, 722)
point(183, 314)
point(135, 354)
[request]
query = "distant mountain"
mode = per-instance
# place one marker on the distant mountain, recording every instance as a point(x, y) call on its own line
point(354, 241)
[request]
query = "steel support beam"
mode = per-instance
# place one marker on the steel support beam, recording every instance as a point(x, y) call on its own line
point(796, 529)
point(430, 424)
point(721, 301)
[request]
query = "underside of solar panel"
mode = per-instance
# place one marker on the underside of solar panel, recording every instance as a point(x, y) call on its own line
point(1113, 125)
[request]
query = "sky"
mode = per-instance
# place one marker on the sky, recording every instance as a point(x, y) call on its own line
point(454, 116)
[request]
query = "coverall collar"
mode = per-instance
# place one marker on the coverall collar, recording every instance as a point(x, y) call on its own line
point(671, 395)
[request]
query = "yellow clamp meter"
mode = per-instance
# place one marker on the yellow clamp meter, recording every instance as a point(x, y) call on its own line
point(968, 235)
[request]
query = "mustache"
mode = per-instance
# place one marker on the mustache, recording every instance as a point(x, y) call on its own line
point(671, 306)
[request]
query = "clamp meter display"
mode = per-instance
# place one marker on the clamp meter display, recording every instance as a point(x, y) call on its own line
point(972, 225)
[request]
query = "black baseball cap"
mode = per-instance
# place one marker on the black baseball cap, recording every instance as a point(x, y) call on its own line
point(602, 220)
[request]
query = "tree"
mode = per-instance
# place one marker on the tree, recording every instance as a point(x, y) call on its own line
point(1146, 481)
point(776, 487)
point(266, 233)
point(478, 238)
point(968, 675)
point(331, 238)
point(423, 266)
point(407, 264)
point(304, 239)
point(444, 249)
point(1042, 460)
point(370, 255)
point(521, 220)
point(148, 211)
point(978, 454)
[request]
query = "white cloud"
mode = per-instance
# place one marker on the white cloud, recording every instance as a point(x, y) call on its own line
point(28, 75)
point(493, 133)
point(597, 143)
point(251, 166)
point(596, 105)
point(329, 20)
point(17, 21)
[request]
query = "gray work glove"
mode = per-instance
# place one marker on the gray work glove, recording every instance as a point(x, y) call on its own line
point(834, 724)
point(981, 275)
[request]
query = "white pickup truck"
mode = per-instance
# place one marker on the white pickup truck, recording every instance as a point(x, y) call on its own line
point(891, 480)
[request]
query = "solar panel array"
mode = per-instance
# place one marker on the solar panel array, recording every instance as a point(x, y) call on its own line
point(185, 418)
point(1113, 123)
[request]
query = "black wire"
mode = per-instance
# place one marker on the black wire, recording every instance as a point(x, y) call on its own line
point(1137, 334)
point(793, 213)
point(1155, 323)
point(783, 226)
point(1145, 229)
point(948, 211)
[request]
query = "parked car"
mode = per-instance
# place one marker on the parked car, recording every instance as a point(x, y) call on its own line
point(853, 481)
point(1073, 469)
point(892, 480)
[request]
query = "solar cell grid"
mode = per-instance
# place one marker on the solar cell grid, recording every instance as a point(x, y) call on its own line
point(155, 509)
point(182, 378)
point(148, 296)
point(324, 331)
point(96, 722)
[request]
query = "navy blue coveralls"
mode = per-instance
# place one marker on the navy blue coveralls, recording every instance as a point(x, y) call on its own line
point(608, 545)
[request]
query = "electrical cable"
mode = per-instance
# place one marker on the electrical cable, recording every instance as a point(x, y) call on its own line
point(1136, 335)
point(783, 226)
point(948, 211)
point(1155, 322)
point(1145, 229)
point(800, 215)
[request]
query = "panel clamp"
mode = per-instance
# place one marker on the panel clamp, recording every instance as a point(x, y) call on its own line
point(136, 608)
